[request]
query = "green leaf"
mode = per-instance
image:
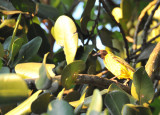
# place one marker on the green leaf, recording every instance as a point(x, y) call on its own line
point(87, 50)
point(72, 96)
point(156, 105)
point(114, 87)
point(24, 5)
point(4, 70)
point(1, 51)
point(16, 47)
point(40, 105)
point(70, 71)
point(106, 37)
point(31, 70)
point(44, 81)
point(65, 33)
point(141, 85)
point(95, 106)
point(115, 100)
point(28, 50)
point(6, 5)
point(130, 109)
point(59, 107)
point(46, 11)
point(13, 89)
point(86, 16)
point(25, 107)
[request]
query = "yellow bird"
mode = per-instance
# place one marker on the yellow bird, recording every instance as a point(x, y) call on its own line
point(116, 65)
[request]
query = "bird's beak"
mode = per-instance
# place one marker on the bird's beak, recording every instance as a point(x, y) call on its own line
point(96, 54)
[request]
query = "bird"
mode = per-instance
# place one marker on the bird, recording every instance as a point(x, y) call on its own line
point(116, 65)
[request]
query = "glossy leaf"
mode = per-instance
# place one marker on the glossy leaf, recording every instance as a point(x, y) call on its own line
point(96, 103)
point(130, 109)
point(4, 70)
point(13, 89)
point(1, 50)
point(25, 107)
point(69, 73)
point(28, 50)
point(24, 5)
point(106, 37)
point(59, 107)
point(47, 11)
point(31, 70)
point(65, 33)
point(40, 105)
point(115, 100)
point(141, 85)
point(44, 81)
point(86, 16)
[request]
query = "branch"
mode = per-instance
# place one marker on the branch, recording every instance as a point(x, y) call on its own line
point(120, 27)
point(148, 22)
point(86, 79)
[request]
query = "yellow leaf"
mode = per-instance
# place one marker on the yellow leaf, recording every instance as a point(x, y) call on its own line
point(133, 92)
point(117, 13)
point(65, 34)
point(60, 94)
point(31, 70)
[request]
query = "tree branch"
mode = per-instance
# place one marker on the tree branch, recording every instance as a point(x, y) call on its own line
point(120, 27)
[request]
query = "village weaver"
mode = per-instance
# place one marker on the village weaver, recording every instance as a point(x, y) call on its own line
point(116, 65)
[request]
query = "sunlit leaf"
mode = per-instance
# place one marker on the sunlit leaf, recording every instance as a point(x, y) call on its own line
point(117, 13)
point(96, 103)
point(142, 87)
point(25, 107)
point(65, 33)
point(115, 100)
point(31, 70)
point(13, 89)
point(60, 94)
point(130, 109)
point(69, 73)
point(59, 107)
point(44, 81)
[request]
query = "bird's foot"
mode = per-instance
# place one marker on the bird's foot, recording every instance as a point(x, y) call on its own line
point(113, 79)
point(126, 82)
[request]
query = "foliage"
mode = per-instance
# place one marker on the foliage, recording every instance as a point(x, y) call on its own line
point(35, 79)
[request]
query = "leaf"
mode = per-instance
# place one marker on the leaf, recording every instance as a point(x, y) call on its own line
point(106, 37)
point(156, 105)
point(44, 81)
point(13, 89)
point(69, 73)
point(86, 16)
point(96, 103)
point(130, 109)
point(35, 30)
point(60, 94)
point(4, 70)
point(65, 33)
point(28, 50)
point(72, 96)
point(40, 105)
point(59, 107)
point(25, 107)
point(87, 50)
point(24, 5)
point(144, 55)
point(31, 70)
point(46, 11)
point(142, 87)
point(1, 64)
point(1, 51)
point(16, 47)
point(115, 100)
point(6, 5)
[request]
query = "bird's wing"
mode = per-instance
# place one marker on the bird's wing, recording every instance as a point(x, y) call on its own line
point(123, 62)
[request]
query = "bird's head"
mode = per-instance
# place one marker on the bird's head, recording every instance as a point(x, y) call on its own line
point(101, 53)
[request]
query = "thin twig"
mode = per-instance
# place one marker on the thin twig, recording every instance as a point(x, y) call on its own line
point(148, 22)
point(120, 27)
